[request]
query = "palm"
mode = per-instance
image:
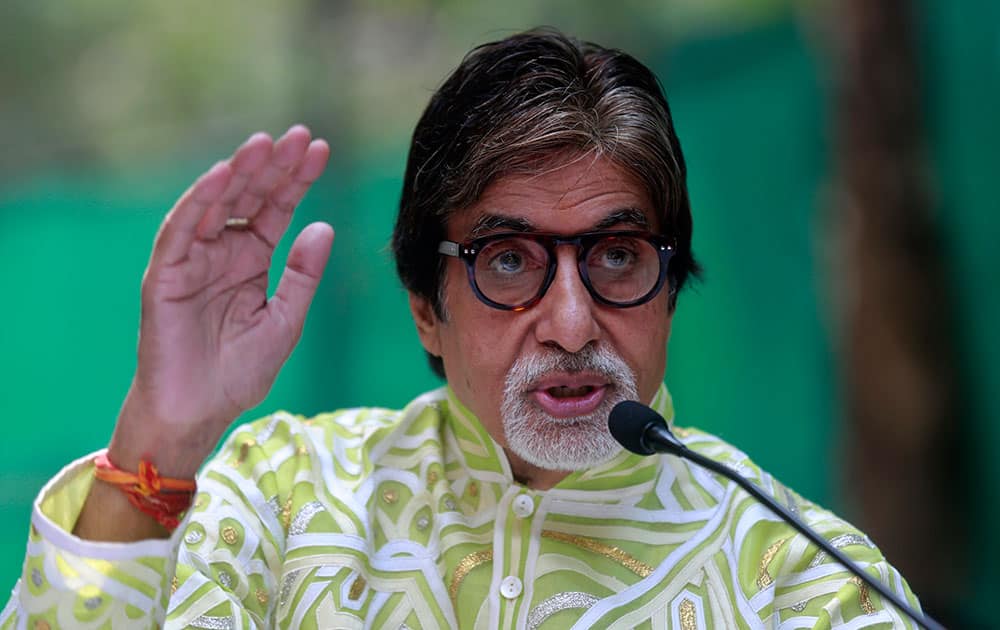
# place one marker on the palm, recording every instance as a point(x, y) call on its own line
point(212, 322)
point(211, 342)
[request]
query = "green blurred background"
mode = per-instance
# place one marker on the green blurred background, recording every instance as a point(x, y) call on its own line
point(110, 109)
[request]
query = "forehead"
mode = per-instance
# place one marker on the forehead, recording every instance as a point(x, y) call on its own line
point(570, 197)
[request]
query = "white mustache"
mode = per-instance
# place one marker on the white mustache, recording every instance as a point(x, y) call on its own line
point(603, 361)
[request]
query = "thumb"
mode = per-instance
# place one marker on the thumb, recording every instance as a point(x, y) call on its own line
point(306, 262)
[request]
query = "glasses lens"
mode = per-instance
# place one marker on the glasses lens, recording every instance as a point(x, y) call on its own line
point(623, 269)
point(510, 271)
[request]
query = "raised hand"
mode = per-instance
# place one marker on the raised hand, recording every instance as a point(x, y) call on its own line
point(211, 342)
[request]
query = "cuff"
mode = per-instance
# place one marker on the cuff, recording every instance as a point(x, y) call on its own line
point(58, 507)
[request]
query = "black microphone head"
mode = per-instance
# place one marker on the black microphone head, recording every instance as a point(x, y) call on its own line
point(628, 423)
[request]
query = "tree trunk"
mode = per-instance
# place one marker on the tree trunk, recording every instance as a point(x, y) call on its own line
point(893, 316)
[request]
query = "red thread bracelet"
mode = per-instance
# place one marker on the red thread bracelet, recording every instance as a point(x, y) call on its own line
point(162, 498)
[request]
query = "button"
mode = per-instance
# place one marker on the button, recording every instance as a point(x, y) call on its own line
point(523, 506)
point(510, 587)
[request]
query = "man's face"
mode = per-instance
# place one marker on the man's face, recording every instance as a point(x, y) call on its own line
point(542, 381)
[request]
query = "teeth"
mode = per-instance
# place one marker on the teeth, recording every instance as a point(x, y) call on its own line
point(570, 392)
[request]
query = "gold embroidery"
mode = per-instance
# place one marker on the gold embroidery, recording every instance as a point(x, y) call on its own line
point(41, 624)
point(689, 620)
point(244, 452)
point(473, 489)
point(262, 596)
point(389, 496)
point(614, 553)
point(302, 450)
point(864, 598)
point(357, 588)
point(173, 585)
point(432, 476)
point(286, 513)
point(229, 535)
point(764, 578)
point(464, 566)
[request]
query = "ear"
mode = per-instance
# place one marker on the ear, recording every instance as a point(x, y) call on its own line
point(428, 324)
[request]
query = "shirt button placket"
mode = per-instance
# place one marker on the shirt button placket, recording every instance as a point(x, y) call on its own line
point(523, 506)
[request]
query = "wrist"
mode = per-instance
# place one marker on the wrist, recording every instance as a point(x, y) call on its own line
point(162, 498)
point(170, 459)
point(177, 449)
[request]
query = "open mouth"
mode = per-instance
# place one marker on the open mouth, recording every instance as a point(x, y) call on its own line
point(564, 391)
point(561, 400)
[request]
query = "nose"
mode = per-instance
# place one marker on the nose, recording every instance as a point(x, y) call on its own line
point(566, 312)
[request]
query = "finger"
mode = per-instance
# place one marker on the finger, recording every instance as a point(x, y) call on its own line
point(288, 151)
point(179, 228)
point(246, 161)
point(273, 219)
point(306, 261)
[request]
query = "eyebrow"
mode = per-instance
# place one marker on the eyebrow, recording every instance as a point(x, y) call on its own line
point(631, 216)
point(494, 222)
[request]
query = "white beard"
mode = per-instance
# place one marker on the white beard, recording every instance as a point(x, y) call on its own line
point(563, 443)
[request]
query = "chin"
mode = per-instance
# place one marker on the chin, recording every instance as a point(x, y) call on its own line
point(560, 443)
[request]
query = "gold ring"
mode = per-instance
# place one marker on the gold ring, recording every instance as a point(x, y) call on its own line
point(238, 222)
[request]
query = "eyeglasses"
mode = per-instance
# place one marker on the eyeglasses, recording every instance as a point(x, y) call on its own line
point(512, 271)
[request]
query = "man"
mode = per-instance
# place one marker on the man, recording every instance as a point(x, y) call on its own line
point(543, 235)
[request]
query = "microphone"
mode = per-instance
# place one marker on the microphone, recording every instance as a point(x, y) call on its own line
point(644, 432)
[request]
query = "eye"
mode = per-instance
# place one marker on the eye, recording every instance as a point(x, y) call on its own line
point(508, 261)
point(508, 257)
point(615, 254)
point(617, 257)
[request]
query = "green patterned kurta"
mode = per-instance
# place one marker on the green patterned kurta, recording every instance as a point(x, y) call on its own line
point(371, 518)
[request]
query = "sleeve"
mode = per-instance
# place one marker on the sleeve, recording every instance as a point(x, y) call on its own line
point(220, 568)
point(68, 582)
point(789, 581)
point(813, 590)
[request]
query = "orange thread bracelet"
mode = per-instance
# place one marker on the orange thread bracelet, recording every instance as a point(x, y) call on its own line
point(162, 498)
